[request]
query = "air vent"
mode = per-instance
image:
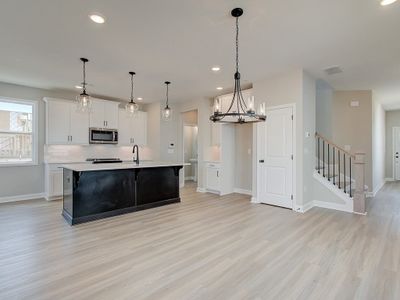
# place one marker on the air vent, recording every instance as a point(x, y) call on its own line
point(333, 70)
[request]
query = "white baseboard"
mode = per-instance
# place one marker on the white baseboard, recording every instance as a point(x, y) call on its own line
point(254, 200)
point(189, 178)
point(201, 190)
point(304, 208)
point(388, 179)
point(21, 197)
point(335, 206)
point(378, 188)
point(52, 198)
point(242, 191)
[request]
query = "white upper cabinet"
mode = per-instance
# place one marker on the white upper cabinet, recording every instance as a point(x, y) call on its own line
point(132, 130)
point(64, 124)
point(104, 114)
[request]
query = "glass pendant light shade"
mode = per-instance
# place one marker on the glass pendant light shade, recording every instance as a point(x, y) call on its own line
point(132, 107)
point(84, 101)
point(167, 111)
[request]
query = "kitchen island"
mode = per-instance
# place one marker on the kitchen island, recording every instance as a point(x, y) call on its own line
point(95, 191)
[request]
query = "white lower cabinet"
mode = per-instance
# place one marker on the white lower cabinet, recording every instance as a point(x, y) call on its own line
point(213, 173)
point(53, 182)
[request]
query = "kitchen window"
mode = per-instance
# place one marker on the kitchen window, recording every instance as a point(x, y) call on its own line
point(18, 132)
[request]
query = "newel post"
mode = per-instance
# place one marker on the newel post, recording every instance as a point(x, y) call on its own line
point(359, 177)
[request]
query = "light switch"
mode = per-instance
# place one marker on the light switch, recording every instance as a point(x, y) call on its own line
point(170, 151)
point(354, 103)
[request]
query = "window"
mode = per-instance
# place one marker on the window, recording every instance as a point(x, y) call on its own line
point(18, 132)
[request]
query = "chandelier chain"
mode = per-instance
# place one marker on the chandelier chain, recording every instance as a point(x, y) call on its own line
point(237, 44)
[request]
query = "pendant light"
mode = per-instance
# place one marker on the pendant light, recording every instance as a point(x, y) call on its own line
point(131, 107)
point(167, 111)
point(84, 102)
point(238, 111)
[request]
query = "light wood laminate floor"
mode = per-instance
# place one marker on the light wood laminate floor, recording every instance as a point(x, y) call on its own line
point(206, 247)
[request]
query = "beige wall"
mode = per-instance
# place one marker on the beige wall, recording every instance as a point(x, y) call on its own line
point(392, 120)
point(353, 125)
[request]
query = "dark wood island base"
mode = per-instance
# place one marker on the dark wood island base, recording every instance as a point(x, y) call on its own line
point(95, 194)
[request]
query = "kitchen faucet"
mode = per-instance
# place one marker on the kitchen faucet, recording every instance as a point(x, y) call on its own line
point(136, 150)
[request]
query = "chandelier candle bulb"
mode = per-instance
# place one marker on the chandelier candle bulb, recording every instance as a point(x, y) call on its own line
point(217, 106)
point(262, 109)
point(250, 105)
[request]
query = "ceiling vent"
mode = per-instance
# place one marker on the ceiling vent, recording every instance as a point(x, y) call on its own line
point(333, 70)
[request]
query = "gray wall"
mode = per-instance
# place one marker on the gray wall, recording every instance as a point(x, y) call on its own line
point(243, 156)
point(323, 117)
point(15, 181)
point(392, 120)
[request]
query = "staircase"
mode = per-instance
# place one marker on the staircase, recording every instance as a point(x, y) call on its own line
point(341, 171)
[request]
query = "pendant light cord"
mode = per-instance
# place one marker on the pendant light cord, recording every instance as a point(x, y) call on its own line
point(167, 95)
point(84, 77)
point(237, 44)
point(131, 87)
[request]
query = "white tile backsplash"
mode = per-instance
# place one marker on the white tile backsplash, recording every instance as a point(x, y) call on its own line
point(71, 153)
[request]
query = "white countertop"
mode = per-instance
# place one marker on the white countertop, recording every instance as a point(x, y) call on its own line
point(118, 166)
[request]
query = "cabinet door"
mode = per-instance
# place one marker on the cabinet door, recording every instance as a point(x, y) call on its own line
point(140, 128)
point(58, 122)
point(97, 114)
point(79, 128)
point(111, 114)
point(213, 178)
point(56, 183)
point(125, 129)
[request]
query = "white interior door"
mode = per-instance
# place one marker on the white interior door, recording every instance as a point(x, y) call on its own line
point(275, 161)
point(396, 152)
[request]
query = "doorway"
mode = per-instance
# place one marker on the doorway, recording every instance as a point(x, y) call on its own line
point(275, 158)
point(190, 147)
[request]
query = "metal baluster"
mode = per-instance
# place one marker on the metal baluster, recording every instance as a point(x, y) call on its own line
point(344, 172)
point(351, 193)
point(334, 166)
point(319, 157)
point(323, 158)
point(329, 179)
point(339, 165)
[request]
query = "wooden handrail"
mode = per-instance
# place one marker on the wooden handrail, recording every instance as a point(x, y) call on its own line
point(334, 145)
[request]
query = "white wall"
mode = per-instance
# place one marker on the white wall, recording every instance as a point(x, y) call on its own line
point(309, 107)
point(392, 120)
point(378, 145)
point(28, 180)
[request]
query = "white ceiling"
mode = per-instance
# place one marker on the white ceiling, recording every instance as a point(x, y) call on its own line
point(179, 40)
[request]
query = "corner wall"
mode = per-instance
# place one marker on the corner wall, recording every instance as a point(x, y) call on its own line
point(378, 146)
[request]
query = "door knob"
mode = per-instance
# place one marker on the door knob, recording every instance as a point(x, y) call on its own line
point(261, 161)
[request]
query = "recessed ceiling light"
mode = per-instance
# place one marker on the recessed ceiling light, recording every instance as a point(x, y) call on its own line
point(216, 68)
point(78, 87)
point(97, 18)
point(140, 98)
point(220, 88)
point(387, 2)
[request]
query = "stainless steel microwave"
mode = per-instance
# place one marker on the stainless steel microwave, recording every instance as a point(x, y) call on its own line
point(103, 136)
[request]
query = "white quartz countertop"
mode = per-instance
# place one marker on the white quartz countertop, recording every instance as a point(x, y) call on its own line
point(118, 166)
